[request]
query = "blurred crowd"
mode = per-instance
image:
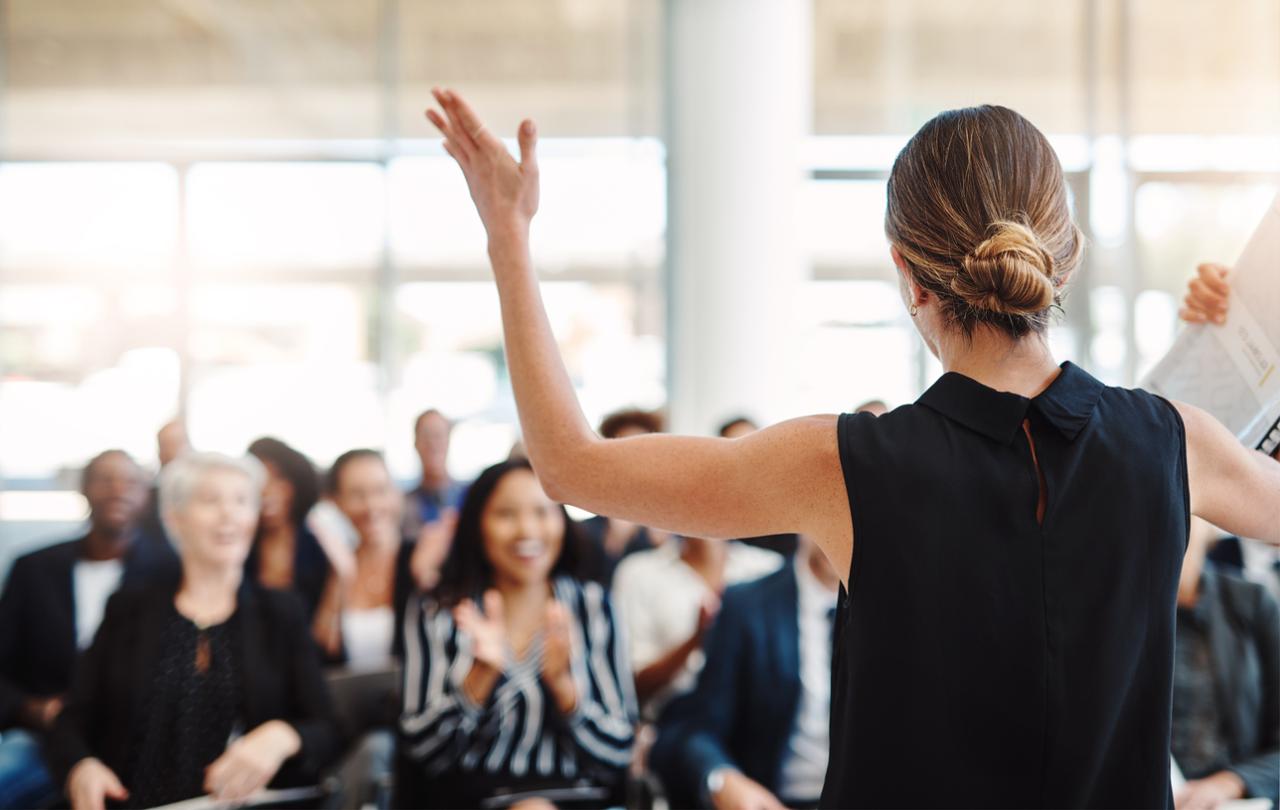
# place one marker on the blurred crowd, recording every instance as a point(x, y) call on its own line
point(235, 625)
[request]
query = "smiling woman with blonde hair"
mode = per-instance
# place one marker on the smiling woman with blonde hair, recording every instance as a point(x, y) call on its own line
point(209, 685)
point(1011, 541)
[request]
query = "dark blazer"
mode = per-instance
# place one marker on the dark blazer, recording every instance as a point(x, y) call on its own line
point(1244, 635)
point(282, 680)
point(38, 618)
point(743, 709)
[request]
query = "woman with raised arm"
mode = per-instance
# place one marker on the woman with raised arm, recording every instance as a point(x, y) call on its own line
point(1011, 541)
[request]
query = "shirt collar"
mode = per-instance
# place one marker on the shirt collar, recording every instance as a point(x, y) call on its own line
point(1067, 404)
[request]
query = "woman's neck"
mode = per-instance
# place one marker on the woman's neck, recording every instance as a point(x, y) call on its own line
point(1021, 366)
point(523, 598)
point(373, 547)
point(207, 594)
point(283, 533)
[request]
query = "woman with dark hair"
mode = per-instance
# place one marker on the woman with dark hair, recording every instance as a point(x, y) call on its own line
point(285, 553)
point(516, 682)
point(1019, 529)
point(355, 622)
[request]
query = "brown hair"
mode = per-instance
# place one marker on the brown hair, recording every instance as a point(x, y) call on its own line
point(615, 423)
point(978, 210)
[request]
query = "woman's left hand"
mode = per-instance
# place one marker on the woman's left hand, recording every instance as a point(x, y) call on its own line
point(251, 762)
point(556, 649)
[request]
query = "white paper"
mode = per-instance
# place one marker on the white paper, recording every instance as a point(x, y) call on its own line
point(262, 797)
point(1233, 370)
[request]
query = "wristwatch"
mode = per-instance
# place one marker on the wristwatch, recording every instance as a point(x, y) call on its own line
point(715, 780)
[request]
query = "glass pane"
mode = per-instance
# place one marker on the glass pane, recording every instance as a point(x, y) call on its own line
point(603, 203)
point(451, 344)
point(299, 215)
point(1182, 224)
point(285, 360)
point(860, 327)
point(842, 225)
point(118, 216)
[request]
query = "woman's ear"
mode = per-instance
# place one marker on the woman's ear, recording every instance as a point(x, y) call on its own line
point(911, 292)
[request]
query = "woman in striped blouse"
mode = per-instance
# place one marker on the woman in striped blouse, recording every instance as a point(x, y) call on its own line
point(517, 684)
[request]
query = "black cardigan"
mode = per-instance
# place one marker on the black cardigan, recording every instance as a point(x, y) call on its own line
point(281, 671)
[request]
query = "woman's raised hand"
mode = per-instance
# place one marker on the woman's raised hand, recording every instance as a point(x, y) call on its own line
point(505, 192)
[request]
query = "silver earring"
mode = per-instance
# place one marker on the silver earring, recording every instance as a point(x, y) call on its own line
point(913, 309)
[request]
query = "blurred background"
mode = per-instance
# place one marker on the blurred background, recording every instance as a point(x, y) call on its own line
point(233, 210)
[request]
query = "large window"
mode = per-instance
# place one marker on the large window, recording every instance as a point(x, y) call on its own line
point(235, 210)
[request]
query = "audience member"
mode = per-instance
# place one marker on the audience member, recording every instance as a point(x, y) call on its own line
point(875, 407)
point(1253, 560)
point(755, 730)
point(356, 621)
point(737, 427)
point(668, 597)
point(356, 624)
point(171, 442)
point(431, 508)
point(609, 540)
point(1226, 685)
point(285, 552)
point(178, 670)
point(436, 493)
point(51, 608)
point(516, 681)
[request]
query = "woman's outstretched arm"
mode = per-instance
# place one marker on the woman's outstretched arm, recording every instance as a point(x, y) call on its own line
point(786, 478)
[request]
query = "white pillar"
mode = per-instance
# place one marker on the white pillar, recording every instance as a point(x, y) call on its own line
point(739, 105)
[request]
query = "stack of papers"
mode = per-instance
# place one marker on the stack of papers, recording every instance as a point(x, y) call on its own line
point(1231, 370)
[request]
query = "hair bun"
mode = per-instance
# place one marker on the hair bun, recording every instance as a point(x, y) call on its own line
point(1009, 272)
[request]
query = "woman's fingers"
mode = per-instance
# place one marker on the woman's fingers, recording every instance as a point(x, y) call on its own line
point(452, 144)
point(493, 608)
point(112, 786)
point(466, 128)
point(1214, 277)
point(528, 137)
point(469, 122)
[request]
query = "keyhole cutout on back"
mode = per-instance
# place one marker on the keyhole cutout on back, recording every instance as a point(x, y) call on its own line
point(1042, 501)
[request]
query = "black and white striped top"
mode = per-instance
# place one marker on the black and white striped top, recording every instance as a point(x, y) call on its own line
point(519, 736)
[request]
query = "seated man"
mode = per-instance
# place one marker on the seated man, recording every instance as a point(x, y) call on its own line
point(1226, 685)
point(754, 731)
point(50, 610)
point(667, 597)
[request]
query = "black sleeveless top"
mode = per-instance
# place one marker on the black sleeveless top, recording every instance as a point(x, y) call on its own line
point(984, 659)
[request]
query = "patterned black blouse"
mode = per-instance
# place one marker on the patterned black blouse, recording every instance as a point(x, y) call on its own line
point(193, 707)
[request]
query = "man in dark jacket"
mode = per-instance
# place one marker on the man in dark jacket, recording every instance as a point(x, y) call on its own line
point(754, 731)
point(1226, 686)
point(50, 609)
